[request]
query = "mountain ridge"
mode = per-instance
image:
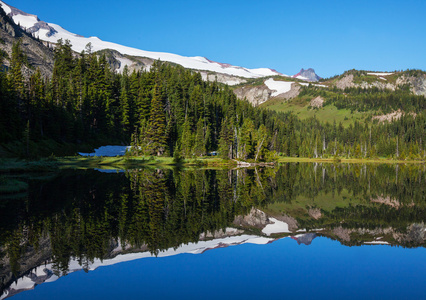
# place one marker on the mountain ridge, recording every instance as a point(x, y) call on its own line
point(50, 32)
point(37, 55)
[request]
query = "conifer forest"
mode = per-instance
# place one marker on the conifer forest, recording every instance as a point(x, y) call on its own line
point(170, 111)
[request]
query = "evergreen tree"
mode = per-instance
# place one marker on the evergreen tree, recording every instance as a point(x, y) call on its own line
point(156, 131)
point(199, 148)
point(16, 77)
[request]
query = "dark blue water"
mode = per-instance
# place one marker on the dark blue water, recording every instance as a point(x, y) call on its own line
point(281, 270)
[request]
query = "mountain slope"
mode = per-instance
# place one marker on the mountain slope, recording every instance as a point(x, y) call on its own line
point(358, 96)
point(52, 33)
point(37, 55)
point(414, 79)
point(259, 91)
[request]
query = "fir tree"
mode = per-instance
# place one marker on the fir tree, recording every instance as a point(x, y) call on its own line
point(199, 148)
point(156, 131)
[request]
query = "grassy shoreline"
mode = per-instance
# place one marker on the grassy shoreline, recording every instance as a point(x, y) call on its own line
point(350, 160)
point(11, 169)
point(128, 162)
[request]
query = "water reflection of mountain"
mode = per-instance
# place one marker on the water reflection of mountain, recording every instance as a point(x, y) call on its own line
point(304, 238)
point(47, 273)
point(72, 220)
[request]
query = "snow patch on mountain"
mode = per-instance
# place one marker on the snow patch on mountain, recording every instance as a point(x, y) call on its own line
point(6, 8)
point(52, 33)
point(25, 21)
point(313, 84)
point(223, 78)
point(301, 77)
point(379, 74)
point(278, 87)
point(123, 62)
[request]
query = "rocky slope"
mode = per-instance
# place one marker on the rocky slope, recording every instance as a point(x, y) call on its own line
point(390, 81)
point(258, 94)
point(38, 55)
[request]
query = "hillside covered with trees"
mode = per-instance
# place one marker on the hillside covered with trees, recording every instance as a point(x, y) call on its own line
point(171, 111)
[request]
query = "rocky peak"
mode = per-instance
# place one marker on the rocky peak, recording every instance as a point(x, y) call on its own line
point(308, 75)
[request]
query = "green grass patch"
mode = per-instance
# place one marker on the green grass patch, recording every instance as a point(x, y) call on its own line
point(367, 78)
point(128, 162)
point(329, 113)
point(13, 166)
point(298, 208)
point(380, 160)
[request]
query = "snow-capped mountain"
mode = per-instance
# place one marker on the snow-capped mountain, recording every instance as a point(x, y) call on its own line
point(52, 33)
point(38, 55)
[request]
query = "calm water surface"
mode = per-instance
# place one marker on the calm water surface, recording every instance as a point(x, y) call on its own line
point(297, 231)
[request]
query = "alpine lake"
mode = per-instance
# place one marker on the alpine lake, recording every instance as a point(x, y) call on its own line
point(297, 230)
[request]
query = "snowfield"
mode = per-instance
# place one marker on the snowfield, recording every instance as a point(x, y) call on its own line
point(280, 87)
point(307, 84)
point(79, 43)
point(379, 74)
point(124, 62)
point(25, 21)
point(302, 78)
point(5, 7)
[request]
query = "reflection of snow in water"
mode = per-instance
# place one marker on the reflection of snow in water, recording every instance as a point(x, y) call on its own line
point(377, 243)
point(45, 272)
point(304, 238)
point(276, 227)
point(107, 151)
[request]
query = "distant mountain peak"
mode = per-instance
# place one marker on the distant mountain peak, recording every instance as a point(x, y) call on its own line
point(308, 75)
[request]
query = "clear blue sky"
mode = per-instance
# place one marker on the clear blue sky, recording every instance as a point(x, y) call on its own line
point(329, 36)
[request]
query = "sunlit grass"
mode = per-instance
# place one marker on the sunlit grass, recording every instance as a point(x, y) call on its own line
point(381, 160)
point(129, 162)
point(328, 113)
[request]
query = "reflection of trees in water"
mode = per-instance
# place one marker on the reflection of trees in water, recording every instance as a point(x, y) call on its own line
point(176, 207)
point(366, 182)
point(86, 213)
point(354, 196)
